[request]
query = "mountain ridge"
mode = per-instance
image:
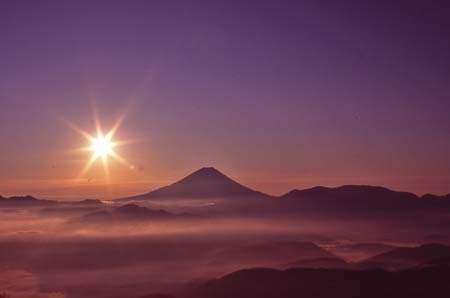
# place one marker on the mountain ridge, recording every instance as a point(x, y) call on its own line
point(363, 201)
point(407, 257)
point(208, 182)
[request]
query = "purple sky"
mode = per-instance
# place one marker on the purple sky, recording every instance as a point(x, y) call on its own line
point(278, 95)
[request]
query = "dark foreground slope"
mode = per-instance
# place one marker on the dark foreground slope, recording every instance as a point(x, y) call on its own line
point(321, 283)
point(274, 254)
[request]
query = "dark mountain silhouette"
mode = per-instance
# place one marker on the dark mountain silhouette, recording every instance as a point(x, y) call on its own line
point(24, 201)
point(369, 248)
point(63, 209)
point(325, 283)
point(362, 201)
point(407, 257)
point(30, 201)
point(350, 201)
point(267, 254)
point(358, 201)
point(438, 262)
point(86, 202)
point(130, 212)
point(435, 197)
point(203, 183)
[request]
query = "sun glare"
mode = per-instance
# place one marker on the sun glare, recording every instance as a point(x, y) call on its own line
point(102, 146)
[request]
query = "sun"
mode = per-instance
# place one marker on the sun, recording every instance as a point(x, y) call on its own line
point(102, 146)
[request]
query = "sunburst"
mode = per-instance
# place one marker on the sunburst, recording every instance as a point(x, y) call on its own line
point(101, 146)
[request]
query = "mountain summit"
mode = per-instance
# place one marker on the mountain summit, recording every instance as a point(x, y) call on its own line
point(203, 183)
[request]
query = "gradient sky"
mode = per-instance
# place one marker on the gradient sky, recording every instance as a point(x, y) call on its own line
point(278, 95)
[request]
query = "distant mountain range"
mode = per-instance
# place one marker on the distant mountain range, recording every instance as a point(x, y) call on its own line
point(211, 183)
point(208, 182)
point(349, 200)
point(407, 257)
point(277, 254)
point(30, 201)
point(357, 196)
point(369, 202)
point(130, 212)
point(18, 201)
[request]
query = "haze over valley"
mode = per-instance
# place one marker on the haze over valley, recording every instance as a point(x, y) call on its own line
point(206, 225)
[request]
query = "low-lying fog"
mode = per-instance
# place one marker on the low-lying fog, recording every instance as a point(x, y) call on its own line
point(104, 251)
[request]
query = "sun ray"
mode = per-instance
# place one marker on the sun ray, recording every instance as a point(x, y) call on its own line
point(79, 130)
point(106, 168)
point(98, 127)
point(125, 142)
point(116, 126)
point(121, 159)
point(87, 166)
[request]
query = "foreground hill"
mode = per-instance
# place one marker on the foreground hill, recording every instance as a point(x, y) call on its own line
point(322, 283)
point(203, 183)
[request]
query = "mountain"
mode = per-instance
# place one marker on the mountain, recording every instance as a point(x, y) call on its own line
point(86, 202)
point(362, 201)
point(203, 183)
point(360, 251)
point(407, 257)
point(24, 201)
point(129, 212)
point(438, 262)
point(372, 248)
point(325, 283)
point(439, 201)
point(359, 202)
point(267, 254)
